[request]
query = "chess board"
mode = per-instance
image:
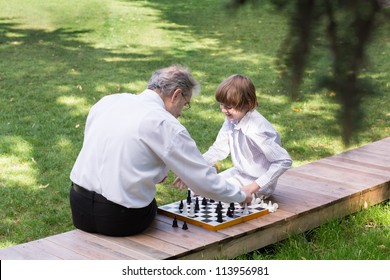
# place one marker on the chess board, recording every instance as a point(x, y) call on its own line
point(206, 216)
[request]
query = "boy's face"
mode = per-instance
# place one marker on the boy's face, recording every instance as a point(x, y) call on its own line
point(232, 114)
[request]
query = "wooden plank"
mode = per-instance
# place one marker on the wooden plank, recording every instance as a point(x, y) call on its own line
point(11, 253)
point(353, 178)
point(308, 193)
point(297, 224)
point(58, 251)
point(365, 157)
point(185, 238)
point(29, 251)
point(145, 246)
point(358, 165)
point(111, 244)
point(89, 245)
point(326, 186)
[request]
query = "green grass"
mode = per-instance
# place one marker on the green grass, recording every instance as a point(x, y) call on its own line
point(59, 57)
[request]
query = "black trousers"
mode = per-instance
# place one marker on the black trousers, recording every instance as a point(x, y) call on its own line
point(91, 212)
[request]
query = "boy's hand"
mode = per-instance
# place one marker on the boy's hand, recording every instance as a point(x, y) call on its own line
point(249, 190)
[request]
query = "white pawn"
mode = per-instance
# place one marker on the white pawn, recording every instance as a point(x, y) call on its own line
point(192, 210)
point(185, 209)
point(245, 211)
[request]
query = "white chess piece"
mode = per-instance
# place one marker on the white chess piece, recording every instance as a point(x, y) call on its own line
point(257, 200)
point(253, 199)
point(185, 210)
point(245, 211)
point(192, 210)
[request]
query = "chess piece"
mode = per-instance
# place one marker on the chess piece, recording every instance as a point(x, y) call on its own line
point(188, 196)
point(181, 205)
point(275, 206)
point(219, 217)
point(185, 227)
point(232, 206)
point(229, 213)
point(174, 223)
point(197, 204)
point(253, 199)
point(185, 209)
point(245, 211)
point(192, 210)
point(218, 208)
point(204, 201)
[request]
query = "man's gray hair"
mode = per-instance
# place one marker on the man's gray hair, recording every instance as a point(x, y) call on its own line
point(167, 80)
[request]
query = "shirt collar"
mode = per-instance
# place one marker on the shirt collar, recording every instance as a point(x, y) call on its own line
point(243, 124)
point(154, 96)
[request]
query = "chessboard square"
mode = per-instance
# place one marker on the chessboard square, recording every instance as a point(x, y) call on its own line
point(206, 220)
point(206, 216)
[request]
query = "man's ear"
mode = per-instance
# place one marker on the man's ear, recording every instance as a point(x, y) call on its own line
point(175, 94)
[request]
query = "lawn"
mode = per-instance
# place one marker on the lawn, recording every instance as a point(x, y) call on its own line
point(59, 57)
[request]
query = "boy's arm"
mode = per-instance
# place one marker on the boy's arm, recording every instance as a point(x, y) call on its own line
point(220, 148)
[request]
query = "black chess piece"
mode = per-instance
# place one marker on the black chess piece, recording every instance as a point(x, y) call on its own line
point(174, 223)
point(219, 217)
point(218, 208)
point(204, 201)
point(181, 206)
point(197, 208)
point(229, 213)
point(185, 227)
point(232, 206)
point(189, 197)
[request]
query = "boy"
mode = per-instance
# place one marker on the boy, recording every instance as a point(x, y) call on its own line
point(254, 145)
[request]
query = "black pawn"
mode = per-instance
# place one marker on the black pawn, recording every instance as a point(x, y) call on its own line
point(181, 206)
point(232, 206)
point(212, 200)
point(185, 227)
point(204, 201)
point(219, 217)
point(174, 224)
point(197, 204)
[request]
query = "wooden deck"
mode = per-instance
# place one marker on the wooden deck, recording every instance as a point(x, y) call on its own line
point(308, 196)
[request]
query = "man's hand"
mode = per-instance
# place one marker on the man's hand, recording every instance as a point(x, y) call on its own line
point(178, 183)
